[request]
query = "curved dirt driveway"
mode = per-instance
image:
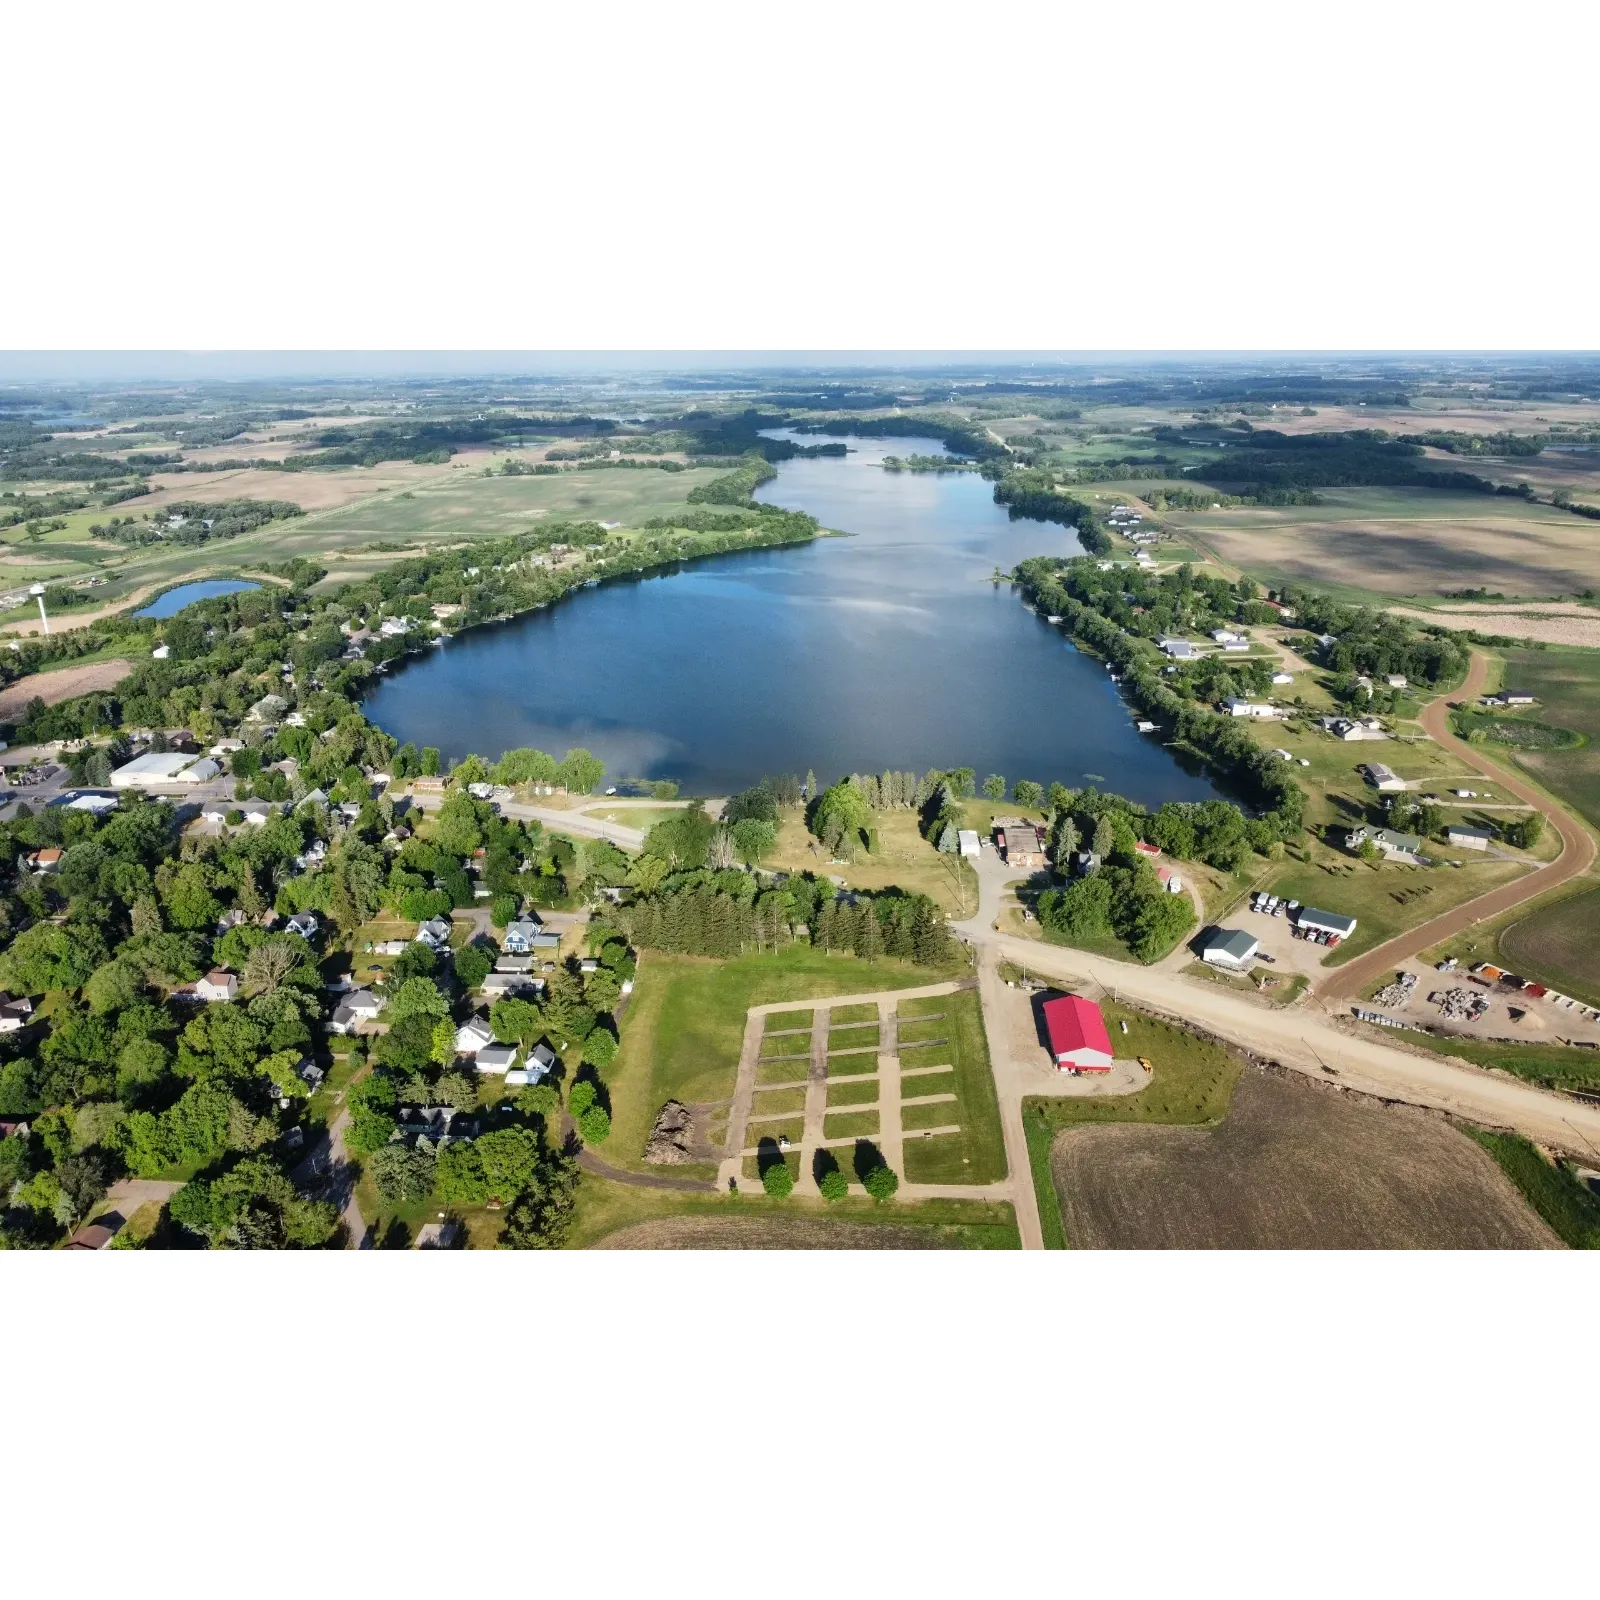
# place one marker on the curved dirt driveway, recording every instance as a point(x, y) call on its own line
point(1577, 855)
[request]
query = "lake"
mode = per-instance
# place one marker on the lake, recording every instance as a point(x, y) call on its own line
point(890, 648)
point(174, 600)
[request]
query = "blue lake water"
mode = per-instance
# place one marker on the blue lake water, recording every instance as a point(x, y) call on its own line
point(174, 600)
point(890, 648)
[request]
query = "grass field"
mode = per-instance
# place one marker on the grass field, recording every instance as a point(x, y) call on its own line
point(684, 1026)
point(1385, 899)
point(616, 1217)
point(1415, 542)
point(904, 859)
point(976, 1154)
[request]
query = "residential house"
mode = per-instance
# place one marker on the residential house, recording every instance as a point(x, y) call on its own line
point(435, 933)
point(1257, 709)
point(518, 938)
point(267, 709)
point(1020, 845)
point(309, 1073)
point(361, 1007)
point(541, 1059)
point(1232, 949)
point(1468, 838)
point(496, 1058)
point(1395, 846)
point(514, 964)
point(1396, 680)
point(217, 986)
point(1085, 863)
point(1077, 1033)
point(304, 923)
point(441, 1124)
point(1178, 649)
point(1383, 778)
point(1280, 678)
point(1228, 636)
point(48, 860)
point(15, 1014)
point(499, 984)
point(394, 627)
point(473, 1036)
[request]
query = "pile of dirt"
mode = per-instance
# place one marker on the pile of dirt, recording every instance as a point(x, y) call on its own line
point(673, 1137)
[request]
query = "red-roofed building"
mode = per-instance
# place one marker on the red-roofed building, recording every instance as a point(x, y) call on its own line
point(1145, 849)
point(1078, 1037)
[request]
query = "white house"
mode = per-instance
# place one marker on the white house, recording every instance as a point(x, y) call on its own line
point(161, 652)
point(435, 933)
point(967, 841)
point(473, 1036)
point(362, 1006)
point(304, 923)
point(217, 986)
point(518, 939)
point(393, 627)
point(1396, 680)
point(1253, 708)
point(496, 1058)
point(1230, 948)
point(1283, 677)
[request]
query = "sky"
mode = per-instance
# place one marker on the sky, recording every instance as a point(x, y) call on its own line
point(861, 176)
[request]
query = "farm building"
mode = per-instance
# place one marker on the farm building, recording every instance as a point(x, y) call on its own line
point(1468, 838)
point(1383, 778)
point(168, 769)
point(1231, 948)
point(1078, 1037)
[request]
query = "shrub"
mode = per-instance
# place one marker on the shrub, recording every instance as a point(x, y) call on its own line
point(580, 1097)
point(778, 1180)
point(595, 1125)
point(835, 1186)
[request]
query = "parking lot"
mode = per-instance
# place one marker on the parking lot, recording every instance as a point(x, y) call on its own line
point(1276, 933)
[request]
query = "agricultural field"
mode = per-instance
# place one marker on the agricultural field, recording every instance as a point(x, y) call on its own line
point(1292, 1166)
point(1560, 944)
point(1567, 683)
point(1404, 543)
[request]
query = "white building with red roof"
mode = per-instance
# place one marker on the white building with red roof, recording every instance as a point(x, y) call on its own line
point(1078, 1037)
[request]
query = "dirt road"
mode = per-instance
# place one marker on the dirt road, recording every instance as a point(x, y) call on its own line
point(1577, 856)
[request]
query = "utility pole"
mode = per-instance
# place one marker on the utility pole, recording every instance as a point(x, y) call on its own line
point(37, 591)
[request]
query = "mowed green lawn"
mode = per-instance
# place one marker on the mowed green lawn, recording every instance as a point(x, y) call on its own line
point(471, 503)
point(976, 1154)
point(684, 1027)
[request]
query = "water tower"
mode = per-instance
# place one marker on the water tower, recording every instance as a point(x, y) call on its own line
point(37, 591)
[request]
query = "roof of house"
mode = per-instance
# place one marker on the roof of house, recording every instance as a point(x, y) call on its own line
point(1234, 942)
point(1326, 921)
point(1021, 836)
point(477, 1028)
point(1378, 773)
point(1456, 831)
point(220, 976)
point(1074, 1023)
point(494, 1056)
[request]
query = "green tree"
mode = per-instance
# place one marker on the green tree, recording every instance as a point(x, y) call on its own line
point(417, 997)
point(778, 1180)
point(834, 1185)
point(515, 1021)
point(472, 965)
point(994, 786)
point(882, 1183)
point(580, 771)
point(595, 1125)
point(401, 1175)
point(1028, 793)
point(48, 956)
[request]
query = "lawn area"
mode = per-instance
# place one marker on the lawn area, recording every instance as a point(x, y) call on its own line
point(644, 818)
point(850, 1125)
point(860, 1037)
point(864, 1011)
point(1193, 1082)
point(684, 1027)
point(853, 1092)
point(749, 1220)
point(788, 1021)
point(788, 1070)
point(939, 1115)
point(924, 1032)
point(904, 859)
point(853, 1066)
point(926, 1083)
point(769, 1102)
point(976, 1154)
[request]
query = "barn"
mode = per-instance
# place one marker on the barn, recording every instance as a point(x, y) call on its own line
point(1078, 1037)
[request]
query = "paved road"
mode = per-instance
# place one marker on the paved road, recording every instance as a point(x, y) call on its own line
point(1577, 856)
point(327, 1170)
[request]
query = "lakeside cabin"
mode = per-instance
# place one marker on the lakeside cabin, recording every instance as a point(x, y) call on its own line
point(1077, 1033)
point(1021, 844)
